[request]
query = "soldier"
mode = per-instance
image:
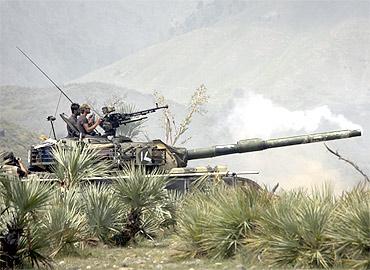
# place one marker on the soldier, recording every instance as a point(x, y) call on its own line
point(86, 126)
point(75, 109)
point(13, 166)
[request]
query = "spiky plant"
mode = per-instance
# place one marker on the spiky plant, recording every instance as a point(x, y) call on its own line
point(191, 224)
point(140, 192)
point(76, 162)
point(295, 231)
point(20, 240)
point(233, 218)
point(64, 225)
point(350, 232)
point(216, 223)
point(170, 209)
point(103, 212)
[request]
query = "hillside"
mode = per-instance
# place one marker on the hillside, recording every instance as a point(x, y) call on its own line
point(306, 64)
point(42, 102)
point(16, 139)
point(71, 38)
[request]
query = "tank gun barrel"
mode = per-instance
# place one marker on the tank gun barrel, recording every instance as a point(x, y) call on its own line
point(251, 145)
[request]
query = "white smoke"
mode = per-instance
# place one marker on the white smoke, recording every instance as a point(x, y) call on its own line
point(257, 116)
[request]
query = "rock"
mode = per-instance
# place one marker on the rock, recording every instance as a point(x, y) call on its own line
point(240, 267)
point(218, 263)
point(88, 267)
point(62, 262)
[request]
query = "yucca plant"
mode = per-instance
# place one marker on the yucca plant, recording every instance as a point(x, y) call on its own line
point(233, 218)
point(103, 212)
point(295, 230)
point(170, 209)
point(20, 240)
point(192, 221)
point(350, 232)
point(140, 192)
point(64, 225)
point(76, 162)
point(216, 222)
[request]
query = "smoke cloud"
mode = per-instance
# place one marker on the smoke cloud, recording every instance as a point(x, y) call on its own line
point(257, 116)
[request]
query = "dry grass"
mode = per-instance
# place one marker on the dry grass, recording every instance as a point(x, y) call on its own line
point(159, 254)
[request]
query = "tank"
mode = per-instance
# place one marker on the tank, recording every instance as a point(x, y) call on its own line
point(174, 160)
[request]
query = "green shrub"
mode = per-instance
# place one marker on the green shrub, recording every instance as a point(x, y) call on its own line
point(294, 231)
point(21, 240)
point(103, 212)
point(76, 162)
point(64, 224)
point(216, 223)
point(143, 194)
point(350, 232)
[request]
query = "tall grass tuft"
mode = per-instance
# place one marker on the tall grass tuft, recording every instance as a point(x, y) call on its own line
point(143, 194)
point(350, 232)
point(65, 225)
point(294, 231)
point(103, 212)
point(216, 223)
point(20, 237)
point(191, 224)
point(76, 162)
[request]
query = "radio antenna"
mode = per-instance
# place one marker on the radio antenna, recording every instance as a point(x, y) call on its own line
point(44, 74)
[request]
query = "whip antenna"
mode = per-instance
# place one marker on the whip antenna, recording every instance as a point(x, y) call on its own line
point(44, 74)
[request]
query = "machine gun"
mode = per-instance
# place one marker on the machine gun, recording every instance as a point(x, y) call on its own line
point(113, 120)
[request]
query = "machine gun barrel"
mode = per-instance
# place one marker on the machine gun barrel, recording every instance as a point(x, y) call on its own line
point(144, 112)
point(251, 145)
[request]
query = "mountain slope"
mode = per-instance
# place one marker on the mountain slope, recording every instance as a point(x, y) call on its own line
point(267, 54)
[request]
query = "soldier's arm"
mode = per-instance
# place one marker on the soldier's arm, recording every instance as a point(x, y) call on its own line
point(22, 167)
point(91, 128)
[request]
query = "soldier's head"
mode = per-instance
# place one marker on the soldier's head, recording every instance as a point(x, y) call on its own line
point(85, 109)
point(75, 108)
point(8, 158)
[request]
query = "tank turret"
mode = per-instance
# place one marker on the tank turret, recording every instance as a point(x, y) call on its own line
point(251, 145)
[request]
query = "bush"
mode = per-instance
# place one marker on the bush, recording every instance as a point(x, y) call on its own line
point(350, 232)
point(216, 223)
point(294, 231)
point(103, 212)
point(21, 240)
point(65, 225)
point(144, 195)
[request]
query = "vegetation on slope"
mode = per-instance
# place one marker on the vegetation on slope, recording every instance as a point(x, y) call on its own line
point(16, 139)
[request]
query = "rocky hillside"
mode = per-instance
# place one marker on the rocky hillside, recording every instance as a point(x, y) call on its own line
point(321, 60)
point(31, 113)
point(16, 139)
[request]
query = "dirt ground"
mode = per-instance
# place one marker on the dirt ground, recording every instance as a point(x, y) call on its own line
point(160, 254)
